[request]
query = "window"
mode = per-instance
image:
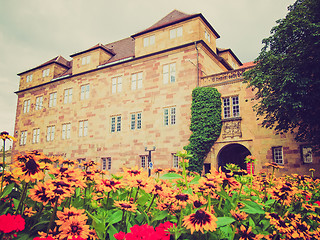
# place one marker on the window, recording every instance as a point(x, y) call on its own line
point(176, 32)
point(169, 73)
point(26, 106)
point(45, 73)
point(81, 160)
point(231, 107)
point(175, 161)
point(135, 121)
point(207, 35)
point(144, 161)
point(148, 41)
point(83, 128)
point(169, 116)
point(67, 96)
point(52, 99)
point(85, 90)
point(136, 81)
point(29, 78)
point(116, 124)
point(50, 133)
point(23, 138)
point(116, 84)
point(66, 129)
point(277, 155)
point(85, 60)
point(306, 154)
point(39, 103)
point(36, 135)
point(106, 163)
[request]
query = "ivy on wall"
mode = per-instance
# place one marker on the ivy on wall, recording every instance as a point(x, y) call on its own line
point(205, 125)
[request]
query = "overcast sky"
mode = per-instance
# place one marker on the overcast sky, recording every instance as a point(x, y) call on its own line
point(34, 31)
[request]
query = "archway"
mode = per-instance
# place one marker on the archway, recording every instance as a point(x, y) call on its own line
point(233, 153)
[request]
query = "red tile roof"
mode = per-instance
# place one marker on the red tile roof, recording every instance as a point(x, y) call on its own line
point(247, 64)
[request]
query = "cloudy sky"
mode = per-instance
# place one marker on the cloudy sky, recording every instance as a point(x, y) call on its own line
point(34, 31)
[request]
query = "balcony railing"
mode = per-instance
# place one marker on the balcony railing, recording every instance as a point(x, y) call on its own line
point(224, 77)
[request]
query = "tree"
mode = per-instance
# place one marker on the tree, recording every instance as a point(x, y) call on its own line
point(205, 125)
point(286, 76)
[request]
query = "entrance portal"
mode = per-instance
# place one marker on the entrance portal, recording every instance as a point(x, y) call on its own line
point(233, 153)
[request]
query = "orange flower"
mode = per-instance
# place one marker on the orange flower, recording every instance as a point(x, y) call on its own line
point(29, 212)
point(70, 212)
point(41, 193)
point(201, 220)
point(125, 206)
point(5, 135)
point(246, 234)
point(27, 168)
point(239, 216)
point(74, 227)
point(106, 185)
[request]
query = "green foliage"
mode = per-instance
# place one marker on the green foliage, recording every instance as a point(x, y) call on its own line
point(287, 74)
point(205, 125)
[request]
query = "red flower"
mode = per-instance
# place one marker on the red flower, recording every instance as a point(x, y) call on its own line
point(120, 235)
point(162, 230)
point(47, 238)
point(317, 202)
point(11, 223)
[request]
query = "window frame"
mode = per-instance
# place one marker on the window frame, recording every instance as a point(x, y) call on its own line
point(84, 91)
point(36, 135)
point(45, 72)
point(149, 41)
point(23, 137)
point(176, 32)
point(50, 133)
point(26, 106)
point(169, 73)
point(306, 154)
point(136, 80)
point(52, 99)
point(85, 60)
point(231, 109)
point(66, 131)
point(116, 84)
point(170, 116)
point(29, 78)
point(275, 155)
point(67, 96)
point(115, 123)
point(136, 121)
point(39, 103)
point(83, 128)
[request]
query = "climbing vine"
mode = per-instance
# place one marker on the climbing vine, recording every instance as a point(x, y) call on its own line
point(205, 125)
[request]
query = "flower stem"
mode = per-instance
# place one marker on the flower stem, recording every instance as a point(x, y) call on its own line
point(154, 196)
point(53, 215)
point(3, 163)
point(22, 197)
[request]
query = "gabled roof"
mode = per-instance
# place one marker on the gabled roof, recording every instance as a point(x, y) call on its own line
point(99, 45)
point(123, 49)
point(58, 60)
point(172, 18)
point(221, 50)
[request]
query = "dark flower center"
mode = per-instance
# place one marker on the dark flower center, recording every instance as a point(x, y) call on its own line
point(74, 229)
point(182, 197)
point(200, 218)
point(197, 204)
point(32, 166)
point(125, 205)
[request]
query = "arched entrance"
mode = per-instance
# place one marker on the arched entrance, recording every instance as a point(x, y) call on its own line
point(233, 153)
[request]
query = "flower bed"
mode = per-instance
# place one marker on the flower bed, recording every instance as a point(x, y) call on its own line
point(74, 202)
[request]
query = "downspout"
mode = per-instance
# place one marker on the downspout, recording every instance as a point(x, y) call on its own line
point(195, 43)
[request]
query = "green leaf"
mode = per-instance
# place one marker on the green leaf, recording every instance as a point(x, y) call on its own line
point(7, 190)
point(112, 231)
point(169, 176)
point(116, 217)
point(160, 215)
point(252, 207)
point(195, 180)
point(223, 221)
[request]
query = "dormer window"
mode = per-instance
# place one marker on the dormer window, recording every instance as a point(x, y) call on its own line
point(148, 41)
point(45, 73)
point(85, 60)
point(207, 35)
point(176, 32)
point(29, 78)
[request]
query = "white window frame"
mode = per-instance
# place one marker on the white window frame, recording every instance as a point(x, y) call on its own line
point(83, 128)
point(29, 78)
point(39, 103)
point(207, 35)
point(231, 107)
point(84, 91)
point(306, 153)
point(50, 133)
point(115, 123)
point(149, 41)
point(169, 116)
point(136, 120)
point(176, 32)
point(53, 99)
point(175, 161)
point(66, 131)
point(116, 84)
point(36, 135)
point(26, 106)
point(136, 81)
point(46, 72)
point(277, 155)
point(85, 60)
point(169, 73)
point(67, 96)
point(23, 138)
